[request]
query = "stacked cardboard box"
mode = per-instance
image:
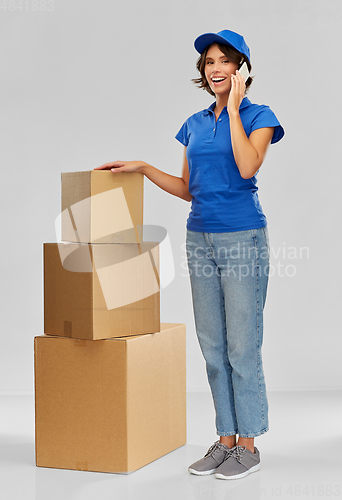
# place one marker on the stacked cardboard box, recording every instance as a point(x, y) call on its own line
point(109, 378)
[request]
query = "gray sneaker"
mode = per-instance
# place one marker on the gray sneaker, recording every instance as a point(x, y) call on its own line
point(214, 457)
point(239, 463)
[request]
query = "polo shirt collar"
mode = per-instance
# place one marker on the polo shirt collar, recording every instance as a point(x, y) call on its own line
point(244, 104)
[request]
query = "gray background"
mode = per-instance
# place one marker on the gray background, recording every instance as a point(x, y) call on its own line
point(96, 81)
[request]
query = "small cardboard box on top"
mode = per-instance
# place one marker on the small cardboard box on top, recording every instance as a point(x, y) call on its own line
point(98, 291)
point(110, 405)
point(100, 206)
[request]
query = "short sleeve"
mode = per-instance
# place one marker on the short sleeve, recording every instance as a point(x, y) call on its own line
point(182, 135)
point(266, 118)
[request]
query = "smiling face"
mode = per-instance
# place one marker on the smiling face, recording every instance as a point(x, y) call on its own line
point(218, 70)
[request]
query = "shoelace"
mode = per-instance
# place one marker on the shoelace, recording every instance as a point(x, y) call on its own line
point(237, 451)
point(218, 446)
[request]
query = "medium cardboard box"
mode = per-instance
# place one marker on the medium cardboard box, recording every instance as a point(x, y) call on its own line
point(99, 206)
point(110, 405)
point(98, 291)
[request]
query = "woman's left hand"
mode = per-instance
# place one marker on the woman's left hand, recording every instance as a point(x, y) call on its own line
point(237, 93)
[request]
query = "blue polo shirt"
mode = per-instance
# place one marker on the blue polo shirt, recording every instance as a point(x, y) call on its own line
point(222, 200)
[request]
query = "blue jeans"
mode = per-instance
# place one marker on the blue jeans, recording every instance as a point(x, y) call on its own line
point(229, 276)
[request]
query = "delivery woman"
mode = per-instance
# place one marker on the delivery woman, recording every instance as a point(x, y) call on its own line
point(227, 246)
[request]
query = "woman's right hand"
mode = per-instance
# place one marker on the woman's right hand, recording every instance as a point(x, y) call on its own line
point(122, 166)
point(178, 186)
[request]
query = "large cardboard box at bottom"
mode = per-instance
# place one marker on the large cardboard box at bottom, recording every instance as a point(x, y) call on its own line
point(110, 405)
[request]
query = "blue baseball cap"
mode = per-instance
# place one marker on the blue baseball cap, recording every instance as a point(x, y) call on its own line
point(226, 37)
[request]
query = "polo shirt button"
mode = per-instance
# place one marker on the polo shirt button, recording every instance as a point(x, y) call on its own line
point(213, 130)
point(220, 119)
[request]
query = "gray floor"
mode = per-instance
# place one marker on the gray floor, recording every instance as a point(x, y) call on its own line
point(301, 457)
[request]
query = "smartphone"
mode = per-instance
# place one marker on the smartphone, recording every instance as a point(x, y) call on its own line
point(244, 71)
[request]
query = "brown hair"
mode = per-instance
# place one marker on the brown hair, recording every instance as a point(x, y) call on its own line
point(233, 56)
